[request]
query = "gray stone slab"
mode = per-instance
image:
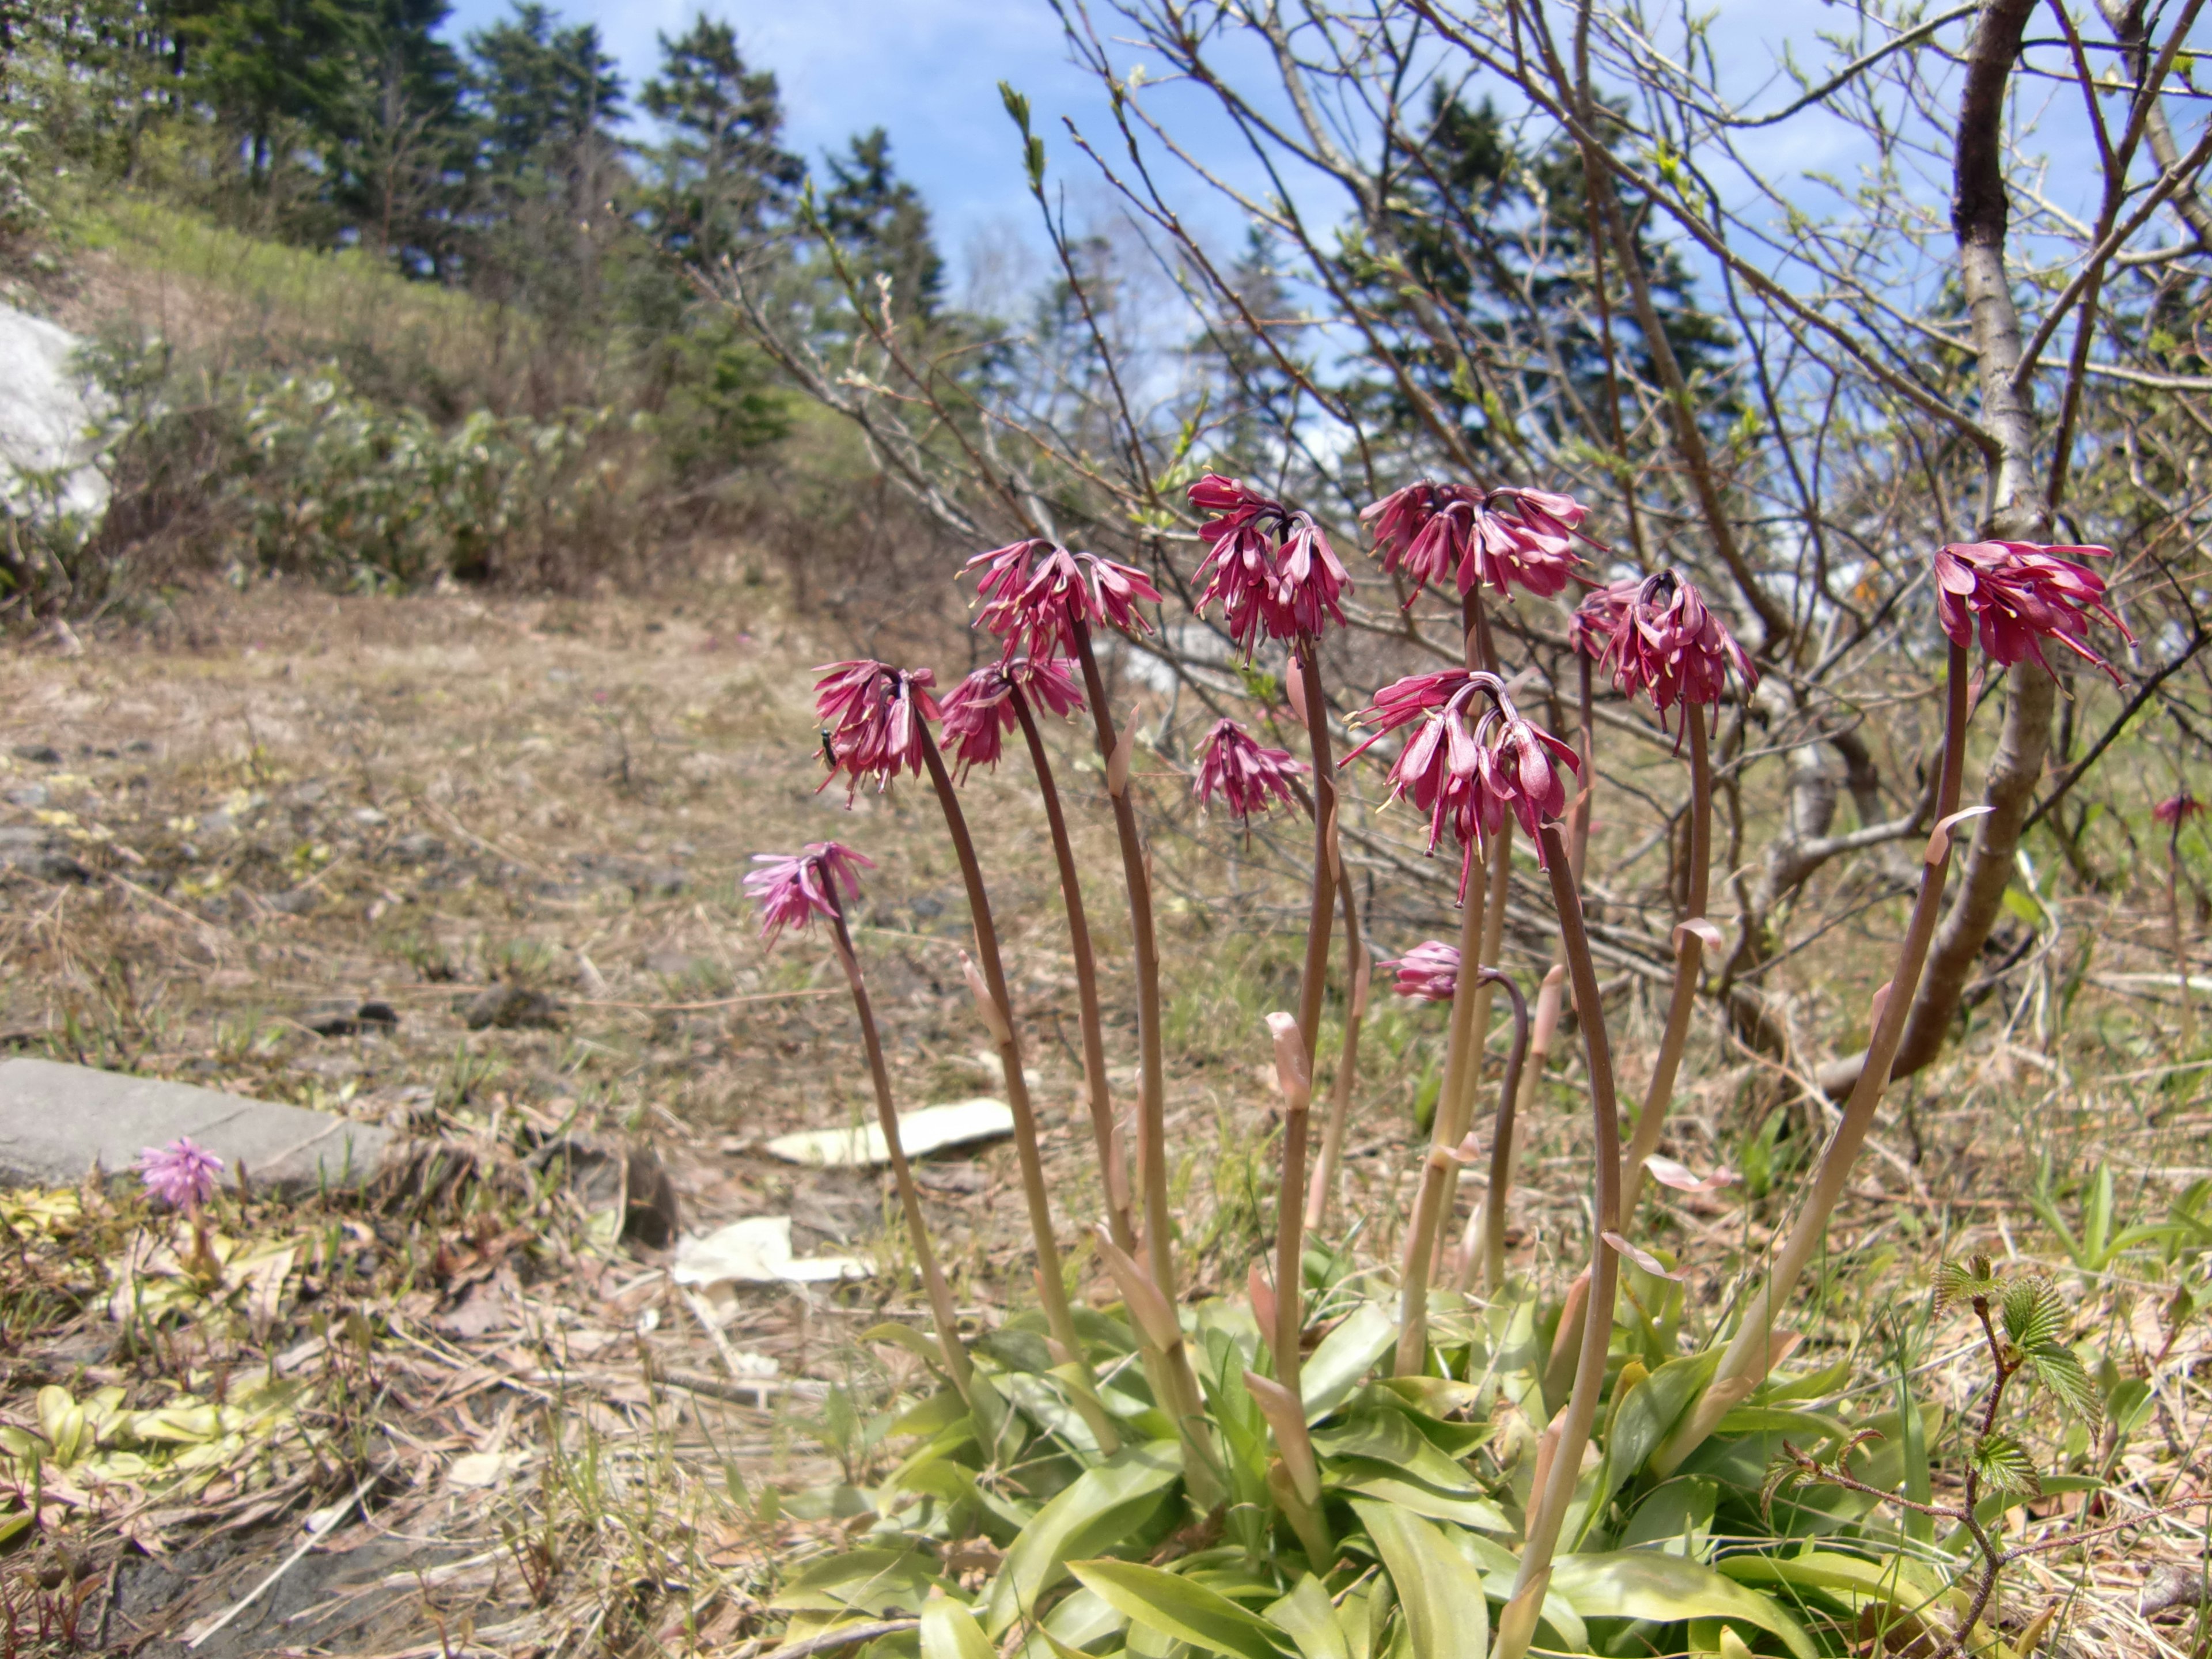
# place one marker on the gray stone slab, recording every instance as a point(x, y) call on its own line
point(56, 1122)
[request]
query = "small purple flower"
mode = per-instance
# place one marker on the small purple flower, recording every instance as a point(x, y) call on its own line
point(1598, 618)
point(1236, 769)
point(1501, 539)
point(1271, 568)
point(872, 719)
point(2021, 593)
point(1034, 592)
point(1429, 972)
point(1668, 645)
point(182, 1174)
point(979, 711)
point(2174, 811)
point(793, 889)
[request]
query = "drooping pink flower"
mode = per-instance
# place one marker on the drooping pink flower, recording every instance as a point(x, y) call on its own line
point(792, 890)
point(873, 718)
point(1236, 768)
point(1518, 765)
point(182, 1174)
point(1599, 616)
point(1466, 771)
point(1670, 648)
point(1034, 592)
point(2177, 809)
point(1429, 972)
point(2021, 593)
point(979, 711)
point(1272, 568)
point(1503, 538)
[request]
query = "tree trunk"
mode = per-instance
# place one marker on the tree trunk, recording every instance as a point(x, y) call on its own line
point(2013, 510)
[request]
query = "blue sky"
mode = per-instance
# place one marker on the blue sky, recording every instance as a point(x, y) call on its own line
point(927, 71)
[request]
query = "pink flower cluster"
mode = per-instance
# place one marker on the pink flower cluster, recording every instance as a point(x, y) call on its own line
point(2020, 594)
point(1235, 768)
point(182, 1174)
point(1664, 642)
point(2176, 809)
point(979, 711)
point(793, 889)
point(1035, 593)
point(1467, 772)
point(1429, 972)
point(1271, 568)
point(1503, 539)
point(873, 720)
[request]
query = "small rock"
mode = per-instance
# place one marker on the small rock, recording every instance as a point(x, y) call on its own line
point(379, 1018)
point(31, 796)
point(603, 1174)
point(38, 754)
point(369, 818)
point(420, 848)
point(139, 746)
point(510, 1007)
point(309, 793)
point(297, 902)
point(658, 884)
point(39, 854)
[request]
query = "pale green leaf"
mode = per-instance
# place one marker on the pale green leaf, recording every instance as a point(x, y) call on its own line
point(1308, 1616)
point(949, 1630)
point(1174, 1606)
point(1095, 1512)
point(1668, 1589)
point(1439, 1590)
point(1345, 1355)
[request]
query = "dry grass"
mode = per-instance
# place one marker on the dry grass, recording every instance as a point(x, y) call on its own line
point(295, 802)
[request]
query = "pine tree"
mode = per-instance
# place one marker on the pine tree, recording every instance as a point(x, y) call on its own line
point(881, 223)
point(722, 175)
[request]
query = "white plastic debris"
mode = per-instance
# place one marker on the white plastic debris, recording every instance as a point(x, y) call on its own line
point(932, 1129)
point(756, 1251)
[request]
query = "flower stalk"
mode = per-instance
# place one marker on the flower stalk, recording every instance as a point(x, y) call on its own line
point(1516, 1624)
point(1313, 985)
point(1058, 1319)
point(1113, 1170)
point(1321, 1191)
point(1752, 1350)
point(1486, 1225)
point(1691, 937)
point(957, 1362)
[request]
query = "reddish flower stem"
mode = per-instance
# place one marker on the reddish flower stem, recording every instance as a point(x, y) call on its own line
point(1501, 1144)
point(2173, 935)
point(1689, 961)
point(1111, 1168)
point(1051, 1287)
point(1322, 1189)
point(1500, 856)
point(1313, 985)
point(1152, 1094)
point(1752, 1350)
point(1548, 1507)
point(933, 1276)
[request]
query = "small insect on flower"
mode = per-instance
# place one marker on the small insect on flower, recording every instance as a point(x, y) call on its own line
point(792, 890)
point(2018, 594)
point(182, 1174)
point(1271, 568)
point(871, 715)
point(1428, 973)
point(979, 711)
point(2177, 809)
point(1236, 768)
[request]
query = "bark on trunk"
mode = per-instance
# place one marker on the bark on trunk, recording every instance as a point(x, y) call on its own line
point(2013, 510)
